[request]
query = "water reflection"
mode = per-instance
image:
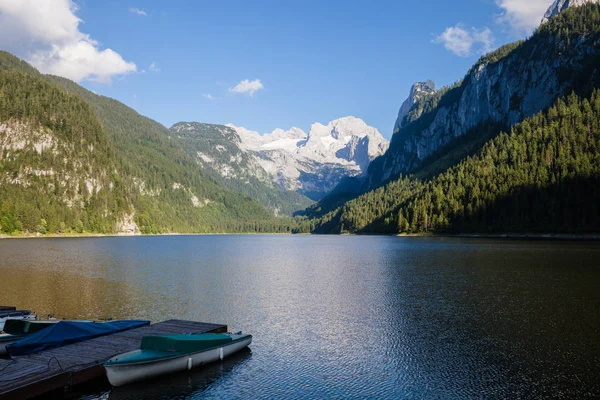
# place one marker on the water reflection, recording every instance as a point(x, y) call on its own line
point(341, 317)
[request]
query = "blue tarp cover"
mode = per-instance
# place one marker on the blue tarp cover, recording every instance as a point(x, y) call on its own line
point(68, 332)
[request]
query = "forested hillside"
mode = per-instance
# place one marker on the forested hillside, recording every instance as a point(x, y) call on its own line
point(503, 88)
point(541, 177)
point(57, 170)
point(73, 161)
point(217, 148)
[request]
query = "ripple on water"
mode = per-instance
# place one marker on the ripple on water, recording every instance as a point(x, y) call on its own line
point(339, 317)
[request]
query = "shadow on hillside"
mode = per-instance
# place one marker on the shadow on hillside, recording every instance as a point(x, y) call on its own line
point(572, 206)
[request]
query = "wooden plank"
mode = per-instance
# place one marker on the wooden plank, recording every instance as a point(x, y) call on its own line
point(36, 374)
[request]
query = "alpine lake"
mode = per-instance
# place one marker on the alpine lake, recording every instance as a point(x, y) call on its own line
point(338, 316)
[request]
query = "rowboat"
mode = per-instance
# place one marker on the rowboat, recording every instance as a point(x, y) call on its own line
point(16, 329)
point(15, 314)
point(166, 354)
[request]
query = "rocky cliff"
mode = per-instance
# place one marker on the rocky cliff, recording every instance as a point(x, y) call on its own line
point(560, 5)
point(418, 92)
point(504, 87)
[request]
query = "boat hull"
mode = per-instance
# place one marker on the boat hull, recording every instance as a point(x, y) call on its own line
point(24, 317)
point(119, 375)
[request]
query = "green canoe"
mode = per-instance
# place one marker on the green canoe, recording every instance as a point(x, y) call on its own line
point(160, 355)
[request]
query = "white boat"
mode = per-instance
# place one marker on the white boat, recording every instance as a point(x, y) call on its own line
point(16, 314)
point(161, 355)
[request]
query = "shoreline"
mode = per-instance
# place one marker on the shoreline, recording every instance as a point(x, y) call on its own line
point(519, 236)
point(512, 236)
point(108, 235)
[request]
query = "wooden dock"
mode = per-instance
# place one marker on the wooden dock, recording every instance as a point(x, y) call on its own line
point(32, 375)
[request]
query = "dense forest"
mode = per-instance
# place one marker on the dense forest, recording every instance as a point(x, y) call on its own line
point(543, 176)
point(74, 162)
point(469, 184)
point(56, 166)
point(566, 48)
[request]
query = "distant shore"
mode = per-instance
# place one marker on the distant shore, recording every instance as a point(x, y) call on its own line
point(523, 236)
point(100, 235)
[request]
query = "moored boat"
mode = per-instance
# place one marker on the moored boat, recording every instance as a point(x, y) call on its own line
point(63, 333)
point(15, 314)
point(16, 329)
point(166, 354)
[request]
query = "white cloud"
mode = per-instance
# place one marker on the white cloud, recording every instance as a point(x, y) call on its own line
point(522, 16)
point(208, 96)
point(465, 42)
point(248, 87)
point(153, 68)
point(138, 11)
point(46, 33)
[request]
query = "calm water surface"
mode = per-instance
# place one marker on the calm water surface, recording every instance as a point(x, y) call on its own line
point(339, 317)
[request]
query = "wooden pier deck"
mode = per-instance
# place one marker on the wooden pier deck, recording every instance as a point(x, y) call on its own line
point(35, 374)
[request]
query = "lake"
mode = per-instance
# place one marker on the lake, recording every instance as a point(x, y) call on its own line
point(338, 316)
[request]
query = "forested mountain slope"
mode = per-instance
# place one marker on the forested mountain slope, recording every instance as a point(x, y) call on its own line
point(541, 177)
point(218, 149)
point(57, 169)
point(144, 180)
point(504, 87)
point(544, 176)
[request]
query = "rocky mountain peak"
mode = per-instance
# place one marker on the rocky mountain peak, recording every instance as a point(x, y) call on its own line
point(560, 5)
point(417, 92)
point(313, 163)
point(341, 128)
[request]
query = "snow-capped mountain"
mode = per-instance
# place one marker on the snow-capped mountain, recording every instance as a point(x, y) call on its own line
point(310, 163)
point(560, 5)
point(219, 150)
point(348, 141)
point(314, 163)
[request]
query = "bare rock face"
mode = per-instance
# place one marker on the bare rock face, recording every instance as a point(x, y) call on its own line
point(314, 163)
point(310, 163)
point(505, 87)
point(560, 5)
point(418, 92)
point(127, 226)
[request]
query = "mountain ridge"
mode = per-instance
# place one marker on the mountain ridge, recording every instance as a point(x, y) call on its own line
point(508, 85)
point(143, 181)
point(564, 52)
point(314, 162)
point(219, 150)
point(561, 5)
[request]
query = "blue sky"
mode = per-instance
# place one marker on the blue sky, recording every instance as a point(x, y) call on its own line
point(316, 60)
